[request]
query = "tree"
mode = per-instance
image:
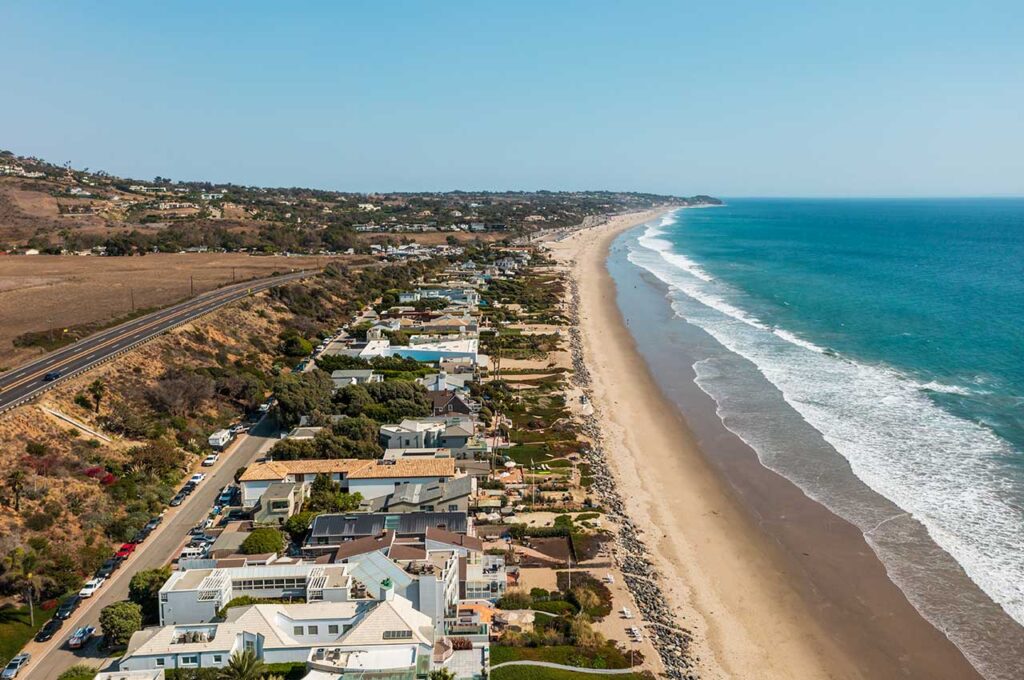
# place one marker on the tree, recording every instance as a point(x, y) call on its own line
point(16, 483)
point(298, 524)
point(119, 620)
point(242, 666)
point(263, 540)
point(78, 672)
point(97, 389)
point(144, 590)
point(325, 495)
point(155, 459)
point(302, 394)
point(181, 392)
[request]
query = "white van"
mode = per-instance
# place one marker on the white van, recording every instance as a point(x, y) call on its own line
point(192, 552)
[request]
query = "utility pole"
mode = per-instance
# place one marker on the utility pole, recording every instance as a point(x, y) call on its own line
point(131, 291)
point(232, 275)
point(191, 286)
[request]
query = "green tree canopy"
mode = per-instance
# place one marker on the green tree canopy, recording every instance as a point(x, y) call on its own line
point(302, 394)
point(263, 540)
point(144, 590)
point(119, 620)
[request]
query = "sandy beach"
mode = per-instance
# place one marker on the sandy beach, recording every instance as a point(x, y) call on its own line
point(732, 540)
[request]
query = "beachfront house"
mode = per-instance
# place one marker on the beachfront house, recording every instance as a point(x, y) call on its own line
point(371, 478)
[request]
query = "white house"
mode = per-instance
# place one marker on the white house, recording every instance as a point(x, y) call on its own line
point(196, 595)
point(387, 636)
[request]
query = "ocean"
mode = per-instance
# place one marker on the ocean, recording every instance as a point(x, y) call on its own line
point(872, 352)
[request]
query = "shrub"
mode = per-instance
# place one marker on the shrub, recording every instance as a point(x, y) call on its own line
point(78, 672)
point(515, 599)
point(263, 540)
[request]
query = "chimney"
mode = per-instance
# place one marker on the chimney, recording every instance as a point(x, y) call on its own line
point(387, 590)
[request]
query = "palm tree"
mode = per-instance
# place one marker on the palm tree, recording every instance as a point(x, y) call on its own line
point(16, 482)
point(242, 666)
point(97, 390)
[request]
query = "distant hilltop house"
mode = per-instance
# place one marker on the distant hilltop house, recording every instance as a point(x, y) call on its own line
point(368, 207)
point(143, 189)
point(19, 171)
point(212, 196)
point(176, 205)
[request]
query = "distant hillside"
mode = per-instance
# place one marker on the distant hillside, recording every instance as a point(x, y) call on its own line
point(57, 209)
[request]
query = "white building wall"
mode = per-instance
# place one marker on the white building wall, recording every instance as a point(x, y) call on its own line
point(252, 491)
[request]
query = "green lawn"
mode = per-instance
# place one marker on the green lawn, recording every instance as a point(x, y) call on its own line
point(536, 673)
point(567, 655)
point(15, 629)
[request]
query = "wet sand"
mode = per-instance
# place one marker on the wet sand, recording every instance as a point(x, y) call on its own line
point(772, 584)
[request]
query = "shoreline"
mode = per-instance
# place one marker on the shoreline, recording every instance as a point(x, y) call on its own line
point(722, 529)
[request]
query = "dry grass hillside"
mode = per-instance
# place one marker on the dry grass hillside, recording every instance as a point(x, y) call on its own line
point(41, 292)
point(76, 495)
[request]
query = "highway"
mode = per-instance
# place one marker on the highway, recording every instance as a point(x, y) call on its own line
point(24, 382)
point(50, 659)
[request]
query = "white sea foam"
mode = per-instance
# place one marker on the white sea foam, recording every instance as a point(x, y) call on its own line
point(944, 470)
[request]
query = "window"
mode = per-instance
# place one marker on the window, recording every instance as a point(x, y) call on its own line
point(453, 507)
point(217, 658)
point(332, 629)
point(297, 630)
point(190, 660)
point(160, 662)
point(397, 634)
point(312, 630)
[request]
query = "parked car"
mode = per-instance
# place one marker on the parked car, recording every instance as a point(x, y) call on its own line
point(90, 587)
point(81, 637)
point(51, 376)
point(67, 607)
point(140, 536)
point(178, 499)
point(239, 428)
point(125, 551)
point(210, 460)
point(153, 523)
point(108, 568)
point(15, 665)
point(49, 629)
point(189, 487)
point(197, 477)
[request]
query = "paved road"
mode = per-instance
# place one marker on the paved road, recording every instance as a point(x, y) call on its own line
point(50, 659)
point(24, 382)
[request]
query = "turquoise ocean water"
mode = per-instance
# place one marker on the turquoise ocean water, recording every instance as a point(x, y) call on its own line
point(895, 329)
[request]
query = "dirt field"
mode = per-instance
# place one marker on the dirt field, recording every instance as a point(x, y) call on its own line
point(39, 292)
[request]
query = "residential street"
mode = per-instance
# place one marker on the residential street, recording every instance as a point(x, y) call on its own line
point(51, 658)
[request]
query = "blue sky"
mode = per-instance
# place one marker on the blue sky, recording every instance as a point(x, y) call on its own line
point(729, 98)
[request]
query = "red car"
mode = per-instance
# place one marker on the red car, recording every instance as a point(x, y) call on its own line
point(126, 550)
